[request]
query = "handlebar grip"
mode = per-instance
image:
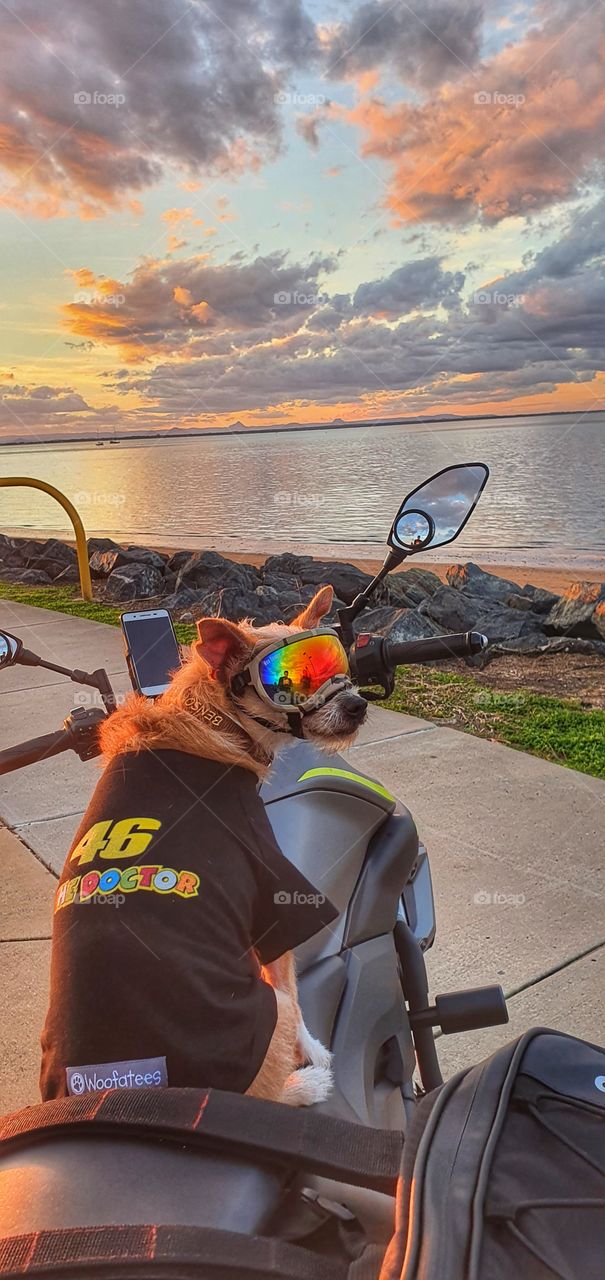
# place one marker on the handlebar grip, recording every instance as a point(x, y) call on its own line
point(51, 744)
point(436, 649)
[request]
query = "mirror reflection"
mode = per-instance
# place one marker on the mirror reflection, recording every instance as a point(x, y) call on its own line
point(445, 502)
point(9, 649)
point(413, 530)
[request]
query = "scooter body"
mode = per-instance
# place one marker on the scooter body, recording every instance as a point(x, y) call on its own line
point(359, 846)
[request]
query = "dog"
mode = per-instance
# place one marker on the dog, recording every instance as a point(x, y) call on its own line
point(200, 716)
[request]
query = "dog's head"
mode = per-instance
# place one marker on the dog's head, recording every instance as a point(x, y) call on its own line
point(227, 648)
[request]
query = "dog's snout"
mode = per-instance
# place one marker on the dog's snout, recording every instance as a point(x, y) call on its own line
point(354, 705)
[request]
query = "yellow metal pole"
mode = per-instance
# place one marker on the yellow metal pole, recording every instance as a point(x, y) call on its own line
point(82, 550)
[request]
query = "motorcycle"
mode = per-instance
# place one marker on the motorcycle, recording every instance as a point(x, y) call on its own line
point(363, 981)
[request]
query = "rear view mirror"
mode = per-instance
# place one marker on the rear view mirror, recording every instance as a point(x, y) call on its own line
point(10, 648)
point(437, 511)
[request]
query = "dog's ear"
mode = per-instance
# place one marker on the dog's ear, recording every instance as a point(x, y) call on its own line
point(222, 644)
point(315, 610)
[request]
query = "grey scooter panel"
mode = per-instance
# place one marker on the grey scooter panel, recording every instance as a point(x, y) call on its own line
point(302, 766)
point(323, 824)
point(391, 858)
point(372, 1000)
point(320, 989)
point(359, 847)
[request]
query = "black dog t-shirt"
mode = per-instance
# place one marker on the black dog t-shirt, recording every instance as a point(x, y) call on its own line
point(173, 888)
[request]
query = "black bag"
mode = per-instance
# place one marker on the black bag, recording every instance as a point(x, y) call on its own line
point(503, 1173)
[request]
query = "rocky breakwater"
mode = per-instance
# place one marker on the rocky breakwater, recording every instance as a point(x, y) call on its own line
point(516, 620)
point(412, 604)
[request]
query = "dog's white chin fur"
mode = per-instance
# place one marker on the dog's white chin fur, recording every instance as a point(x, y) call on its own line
point(326, 727)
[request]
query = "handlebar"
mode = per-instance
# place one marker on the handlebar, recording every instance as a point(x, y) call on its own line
point(374, 659)
point(79, 734)
point(51, 744)
point(435, 649)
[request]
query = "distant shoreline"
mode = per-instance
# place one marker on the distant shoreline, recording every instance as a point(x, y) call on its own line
point(444, 421)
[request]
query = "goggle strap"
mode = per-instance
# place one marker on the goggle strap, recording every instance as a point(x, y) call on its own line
point(239, 682)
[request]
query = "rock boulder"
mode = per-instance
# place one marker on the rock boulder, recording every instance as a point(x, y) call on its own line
point(208, 569)
point(476, 582)
point(579, 611)
point(29, 577)
point(397, 624)
point(133, 582)
point(410, 587)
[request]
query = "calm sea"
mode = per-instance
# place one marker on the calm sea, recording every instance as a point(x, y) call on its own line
point(543, 503)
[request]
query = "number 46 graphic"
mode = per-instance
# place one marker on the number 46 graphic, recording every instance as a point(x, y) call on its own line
point(125, 839)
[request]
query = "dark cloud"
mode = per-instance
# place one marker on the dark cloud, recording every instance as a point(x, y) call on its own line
point(24, 407)
point(420, 284)
point(423, 44)
point(189, 83)
point(519, 334)
point(168, 304)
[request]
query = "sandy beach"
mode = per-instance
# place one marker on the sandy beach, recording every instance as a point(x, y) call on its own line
point(557, 580)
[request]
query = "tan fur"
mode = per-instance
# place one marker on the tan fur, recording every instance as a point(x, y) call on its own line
point(176, 721)
point(282, 1057)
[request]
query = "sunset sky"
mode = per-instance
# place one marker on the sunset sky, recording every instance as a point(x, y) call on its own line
point(274, 211)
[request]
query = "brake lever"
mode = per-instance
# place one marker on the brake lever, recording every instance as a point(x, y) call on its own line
point(371, 696)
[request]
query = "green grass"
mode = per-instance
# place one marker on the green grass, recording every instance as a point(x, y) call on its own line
point(548, 727)
point(555, 729)
point(67, 600)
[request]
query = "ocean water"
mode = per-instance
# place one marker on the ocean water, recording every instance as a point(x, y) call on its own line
point(543, 503)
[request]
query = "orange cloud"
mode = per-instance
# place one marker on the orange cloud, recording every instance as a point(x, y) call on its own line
point(175, 216)
point(84, 277)
point(174, 243)
point(517, 136)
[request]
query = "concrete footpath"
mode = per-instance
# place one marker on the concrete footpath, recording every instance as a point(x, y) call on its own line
point(516, 846)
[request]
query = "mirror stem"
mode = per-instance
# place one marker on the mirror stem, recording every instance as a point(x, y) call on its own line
point(94, 679)
point(347, 616)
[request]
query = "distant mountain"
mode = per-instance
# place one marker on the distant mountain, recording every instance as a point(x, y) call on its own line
point(234, 428)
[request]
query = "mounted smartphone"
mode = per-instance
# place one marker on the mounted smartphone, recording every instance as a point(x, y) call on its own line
point(152, 650)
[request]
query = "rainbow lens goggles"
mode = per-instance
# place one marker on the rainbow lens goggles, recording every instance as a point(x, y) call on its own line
point(298, 674)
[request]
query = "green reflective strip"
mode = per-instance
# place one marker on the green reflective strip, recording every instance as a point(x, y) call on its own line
point(352, 777)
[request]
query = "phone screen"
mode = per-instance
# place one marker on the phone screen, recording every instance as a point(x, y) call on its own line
point(153, 649)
